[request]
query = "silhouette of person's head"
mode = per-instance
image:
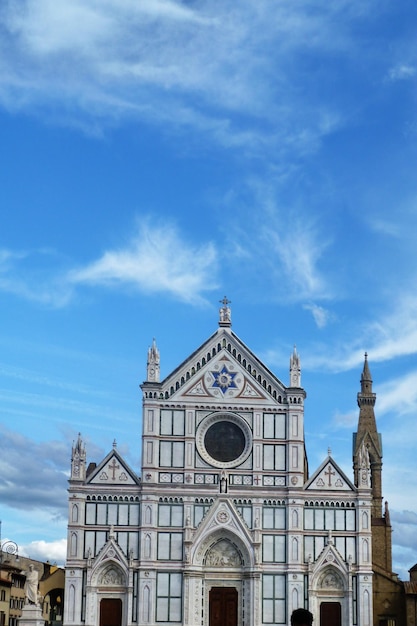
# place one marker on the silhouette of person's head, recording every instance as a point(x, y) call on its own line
point(301, 617)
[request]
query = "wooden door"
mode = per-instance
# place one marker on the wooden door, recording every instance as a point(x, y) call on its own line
point(111, 612)
point(223, 606)
point(330, 614)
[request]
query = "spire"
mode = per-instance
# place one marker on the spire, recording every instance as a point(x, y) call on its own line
point(367, 442)
point(295, 369)
point(78, 460)
point(153, 366)
point(365, 396)
point(225, 314)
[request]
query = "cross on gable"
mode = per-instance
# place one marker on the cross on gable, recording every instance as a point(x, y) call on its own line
point(113, 466)
point(329, 472)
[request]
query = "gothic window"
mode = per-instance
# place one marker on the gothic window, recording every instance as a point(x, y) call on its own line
point(75, 513)
point(170, 515)
point(274, 425)
point(169, 547)
point(171, 454)
point(273, 548)
point(90, 513)
point(246, 512)
point(273, 599)
point(146, 604)
point(148, 515)
point(295, 601)
point(135, 597)
point(93, 542)
point(274, 517)
point(123, 515)
point(365, 550)
point(295, 519)
point(71, 603)
point(128, 543)
point(273, 457)
point(107, 514)
point(199, 512)
point(74, 542)
point(172, 423)
point(294, 549)
point(168, 597)
point(329, 519)
point(147, 547)
point(346, 546)
point(313, 546)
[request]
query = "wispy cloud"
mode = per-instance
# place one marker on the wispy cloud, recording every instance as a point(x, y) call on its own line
point(110, 61)
point(403, 71)
point(41, 550)
point(19, 276)
point(321, 315)
point(33, 476)
point(158, 259)
point(399, 395)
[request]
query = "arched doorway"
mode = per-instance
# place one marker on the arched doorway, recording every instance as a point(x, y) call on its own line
point(223, 606)
point(330, 614)
point(111, 612)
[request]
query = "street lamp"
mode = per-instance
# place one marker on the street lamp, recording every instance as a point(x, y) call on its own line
point(8, 547)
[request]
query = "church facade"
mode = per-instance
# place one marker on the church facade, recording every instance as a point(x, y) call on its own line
point(225, 525)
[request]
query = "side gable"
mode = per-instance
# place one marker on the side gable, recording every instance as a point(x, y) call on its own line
point(113, 470)
point(329, 477)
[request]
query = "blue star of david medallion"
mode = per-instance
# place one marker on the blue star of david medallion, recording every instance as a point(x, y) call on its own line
point(224, 379)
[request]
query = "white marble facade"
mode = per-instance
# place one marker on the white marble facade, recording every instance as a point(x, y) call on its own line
point(223, 526)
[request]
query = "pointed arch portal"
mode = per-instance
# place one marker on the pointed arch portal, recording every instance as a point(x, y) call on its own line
point(330, 614)
point(110, 612)
point(223, 606)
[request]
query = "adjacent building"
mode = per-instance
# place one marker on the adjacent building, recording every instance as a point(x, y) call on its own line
point(13, 569)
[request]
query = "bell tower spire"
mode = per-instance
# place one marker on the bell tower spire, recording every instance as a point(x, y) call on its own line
point(368, 439)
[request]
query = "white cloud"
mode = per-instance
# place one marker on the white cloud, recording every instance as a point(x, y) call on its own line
point(399, 396)
point(402, 71)
point(53, 551)
point(391, 336)
point(157, 260)
point(106, 60)
point(321, 315)
point(18, 276)
point(299, 249)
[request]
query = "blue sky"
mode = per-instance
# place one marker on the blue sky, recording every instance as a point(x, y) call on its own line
point(157, 155)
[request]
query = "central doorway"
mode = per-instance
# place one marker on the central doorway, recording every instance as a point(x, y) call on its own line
point(223, 606)
point(330, 614)
point(111, 612)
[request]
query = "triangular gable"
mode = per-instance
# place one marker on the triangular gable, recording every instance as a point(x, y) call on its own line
point(330, 557)
point(329, 477)
point(223, 368)
point(222, 515)
point(113, 470)
point(111, 551)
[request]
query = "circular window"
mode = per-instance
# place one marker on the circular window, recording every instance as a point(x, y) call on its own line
point(224, 440)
